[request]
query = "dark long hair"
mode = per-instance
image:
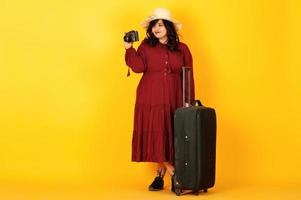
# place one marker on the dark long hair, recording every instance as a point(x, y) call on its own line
point(172, 35)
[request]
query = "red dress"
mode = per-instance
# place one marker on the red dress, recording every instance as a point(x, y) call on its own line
point(158, 95)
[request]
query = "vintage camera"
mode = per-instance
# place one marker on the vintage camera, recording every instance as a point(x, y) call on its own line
point(131, 36)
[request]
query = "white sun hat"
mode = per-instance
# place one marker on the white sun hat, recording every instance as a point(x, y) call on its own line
point(161, 13)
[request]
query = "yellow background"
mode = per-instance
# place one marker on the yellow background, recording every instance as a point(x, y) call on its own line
point(66, 106)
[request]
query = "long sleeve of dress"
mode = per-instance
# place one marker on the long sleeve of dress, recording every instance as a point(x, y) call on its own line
point(136, 59)
point(188, 61)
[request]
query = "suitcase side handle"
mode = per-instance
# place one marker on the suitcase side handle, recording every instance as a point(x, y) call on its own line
point(196, 102)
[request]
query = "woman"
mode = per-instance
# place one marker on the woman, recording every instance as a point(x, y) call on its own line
point(160, 57)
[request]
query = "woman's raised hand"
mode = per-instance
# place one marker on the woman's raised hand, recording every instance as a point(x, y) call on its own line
point(128, 45)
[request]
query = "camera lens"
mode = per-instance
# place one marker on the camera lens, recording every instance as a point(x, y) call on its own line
point(126, 38)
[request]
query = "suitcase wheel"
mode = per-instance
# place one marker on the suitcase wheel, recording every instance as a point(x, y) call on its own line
point(205, 190)
point(178, 191)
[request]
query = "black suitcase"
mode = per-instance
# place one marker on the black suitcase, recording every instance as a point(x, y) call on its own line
point(195, 145)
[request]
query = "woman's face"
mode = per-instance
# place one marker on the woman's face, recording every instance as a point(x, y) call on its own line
point(159, 30)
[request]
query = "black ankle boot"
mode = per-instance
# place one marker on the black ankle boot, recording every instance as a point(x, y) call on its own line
point(157, 184)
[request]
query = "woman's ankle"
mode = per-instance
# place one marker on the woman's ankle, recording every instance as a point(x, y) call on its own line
point(170, 169)
point(161, 172)
point(171, 172)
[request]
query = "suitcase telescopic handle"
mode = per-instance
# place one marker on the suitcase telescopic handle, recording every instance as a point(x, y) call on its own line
point(184, 83)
